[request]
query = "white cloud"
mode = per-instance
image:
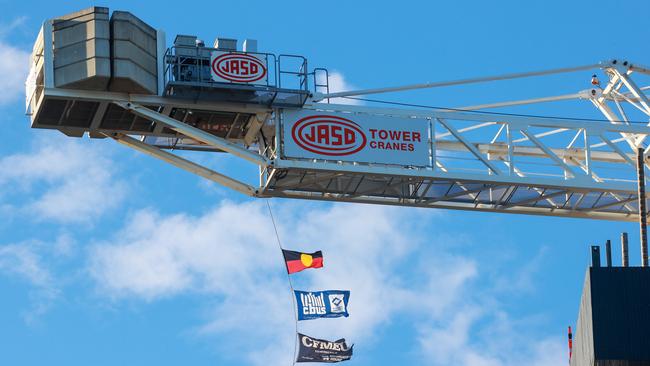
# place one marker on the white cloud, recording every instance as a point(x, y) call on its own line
point(338, 83)
point(228, 252)
point(14, 63)
point(477, 332)
point(65, 180)
point(229, 255)
point(162, 256)
point(24, 261)
point(7, 28)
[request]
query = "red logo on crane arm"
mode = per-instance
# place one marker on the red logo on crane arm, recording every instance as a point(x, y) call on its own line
point(328, 135)
point(238, 67)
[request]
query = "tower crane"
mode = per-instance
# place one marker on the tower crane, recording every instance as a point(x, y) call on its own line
point(114, 77)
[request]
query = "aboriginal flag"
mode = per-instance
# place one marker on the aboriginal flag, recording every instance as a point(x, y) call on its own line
point(297, 261)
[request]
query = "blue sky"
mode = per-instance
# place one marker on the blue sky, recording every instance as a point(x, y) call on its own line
point(108, 257)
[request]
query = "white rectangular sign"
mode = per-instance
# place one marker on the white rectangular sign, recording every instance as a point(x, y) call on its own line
point(355, 137)
point(238, 67)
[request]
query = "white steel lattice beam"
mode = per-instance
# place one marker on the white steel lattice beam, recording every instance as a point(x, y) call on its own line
point(463, 192)
point(635, 90)
point(533, 200)
point(618, 150)
point(619, 201)
point(549, 153)
point(469, 146)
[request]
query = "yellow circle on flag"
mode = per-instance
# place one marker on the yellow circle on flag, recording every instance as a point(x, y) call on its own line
point(306, 260)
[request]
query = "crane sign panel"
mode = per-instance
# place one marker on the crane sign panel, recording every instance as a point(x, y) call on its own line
point(355, 137)
point(235, 67)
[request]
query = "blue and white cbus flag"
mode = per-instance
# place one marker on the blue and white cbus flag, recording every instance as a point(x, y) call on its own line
point(322, 304)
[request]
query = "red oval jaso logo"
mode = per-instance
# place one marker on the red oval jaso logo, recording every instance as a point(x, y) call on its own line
point(328, 135)
point(239, 67)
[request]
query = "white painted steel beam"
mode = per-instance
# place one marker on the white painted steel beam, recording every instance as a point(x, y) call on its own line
point(457, 82)
point(48, 54)
point(581, 95)
point(635, 90)
point(550, 153)
point(594, 125)
point(469, 146)
point(146, 99)
point(546, 181)
point(534, 200)
point(526, 210)
point(186, 165)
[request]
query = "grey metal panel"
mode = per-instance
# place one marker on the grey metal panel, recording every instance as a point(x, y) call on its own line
point(621, 313)
point(79, 33)
point(128, 76)
point(82, 50)
point(91, 74)
point(225, 44)
point(85, 15)
point(134, 55)
point(185, 40)
point(130, 28)
point(583, 342)
point(614, 321)
point(126, 50)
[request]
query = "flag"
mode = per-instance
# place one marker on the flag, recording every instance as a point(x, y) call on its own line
point(322, 304)
point(320, 350)
point(297, 261)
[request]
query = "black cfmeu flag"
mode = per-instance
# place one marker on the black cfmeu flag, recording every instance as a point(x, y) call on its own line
point(320, 350)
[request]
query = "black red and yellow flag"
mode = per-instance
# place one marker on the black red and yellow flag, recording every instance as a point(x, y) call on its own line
point(297, 261)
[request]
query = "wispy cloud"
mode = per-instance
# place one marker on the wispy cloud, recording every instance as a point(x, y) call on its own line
point(7, 28)
point(230, 256)
point(338, 83)
point(25, 261)
point(14, 63)
point(61, 180)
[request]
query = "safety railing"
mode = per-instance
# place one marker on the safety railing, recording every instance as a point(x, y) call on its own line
point(204, 66)
point(321, 81)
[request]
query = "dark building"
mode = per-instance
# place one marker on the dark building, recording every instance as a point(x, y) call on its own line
point(614, 321)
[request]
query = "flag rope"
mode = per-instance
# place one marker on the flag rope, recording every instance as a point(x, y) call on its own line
point(293, 299)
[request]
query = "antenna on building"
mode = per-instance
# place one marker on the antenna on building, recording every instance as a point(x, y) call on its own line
point(643, 212)
point(595, 255)
point(625, 259)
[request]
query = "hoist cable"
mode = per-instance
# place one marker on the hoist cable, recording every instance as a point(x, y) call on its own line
point(492, 113)
point(293, 299)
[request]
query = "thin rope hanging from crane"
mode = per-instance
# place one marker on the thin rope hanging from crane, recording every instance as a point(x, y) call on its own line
point(293, 301)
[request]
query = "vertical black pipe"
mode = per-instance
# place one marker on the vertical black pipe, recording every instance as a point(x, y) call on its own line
point(625, 258)
point(595, 256)
point(640, 168)
point(608, 252)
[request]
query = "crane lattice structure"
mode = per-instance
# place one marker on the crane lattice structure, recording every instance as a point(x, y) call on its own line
point(477, 161)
